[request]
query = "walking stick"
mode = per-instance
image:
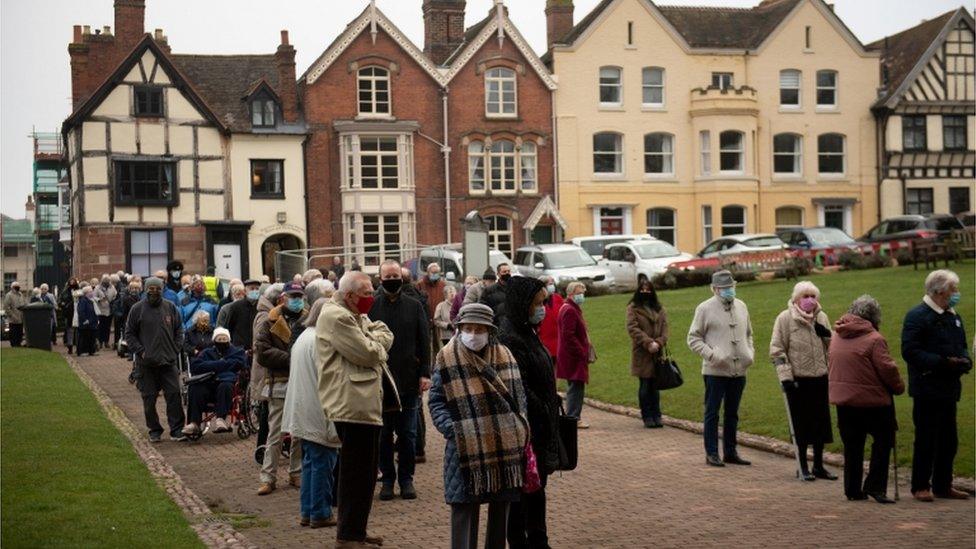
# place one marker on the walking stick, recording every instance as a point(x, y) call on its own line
point(796, 448)
point(894, 447)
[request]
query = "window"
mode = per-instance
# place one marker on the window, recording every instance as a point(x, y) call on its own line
point(267, 179)
point(608, 155)
point(527, 167)
point(733, 220)
point(500, 92)
point(826, 88)
point(787, 153)
point(611, 89)
point(148, 251)
point(376, 161)
point(732, 152)
point(658, 154)
point(705, 138)
point(707, 223)
point(8, 279)
point(959, 200)
point(381, 238)
point(509, 168)
point(144, 183)
point(374, 91)
point(954, 133)
point(611, 221)
point(806, 37)
point(830, 153)
point(263, 113)
point(835, 215)
point(500, 234)
point(10, 251)
point(789, 217)
point(502, 165)
point(918, 201)
point(630, 33)
point(789, 88)
point(148, 101)
point(476, 166)
point(913, 133)
point(722, 80)
point(653, 87)
point(45, 252)
point(660, 224)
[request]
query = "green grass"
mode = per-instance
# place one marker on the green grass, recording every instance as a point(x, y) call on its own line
point(762, 411)
point(68, 477)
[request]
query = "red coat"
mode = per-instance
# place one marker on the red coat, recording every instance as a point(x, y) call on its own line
point(862, 372)
point(548, 331)
point(573, 356)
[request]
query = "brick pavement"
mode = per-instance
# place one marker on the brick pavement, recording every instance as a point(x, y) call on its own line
point(634, 488)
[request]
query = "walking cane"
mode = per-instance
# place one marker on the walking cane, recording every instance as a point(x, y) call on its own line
point(894, 447)
point(796, 448)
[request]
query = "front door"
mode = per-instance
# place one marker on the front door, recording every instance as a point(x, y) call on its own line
point(227, 260)
point(542, 234)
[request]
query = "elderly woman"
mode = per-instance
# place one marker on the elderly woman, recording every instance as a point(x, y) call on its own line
point(863, 378)
point(237, 293)
point(478, 403)
point(442, 316)
point(548, 330)
point(647, 325)
point(573, 352)
point(798, 349)
point(225, 361)
point(199, 336)
point(87, 312)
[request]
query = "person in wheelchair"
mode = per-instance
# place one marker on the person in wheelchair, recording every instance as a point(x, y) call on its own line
point(200, 335)
point(213, 375)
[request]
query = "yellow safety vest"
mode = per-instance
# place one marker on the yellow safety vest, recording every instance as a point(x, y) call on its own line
point(211, 283)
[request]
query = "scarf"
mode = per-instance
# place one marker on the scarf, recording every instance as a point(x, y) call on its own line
point(483, 396)
point(809, 318)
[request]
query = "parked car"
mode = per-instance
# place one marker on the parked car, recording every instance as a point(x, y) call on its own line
point(451, 259)
point(968, 219)
point(633, 262)
point(910, 227)
point(740, 243)
point(594, 245)
point(564, 263)
point(819, 239)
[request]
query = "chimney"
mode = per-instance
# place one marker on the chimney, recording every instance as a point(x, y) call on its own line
point(559, 20)
point(443, 28)
point(287, 88)
point(130, 18)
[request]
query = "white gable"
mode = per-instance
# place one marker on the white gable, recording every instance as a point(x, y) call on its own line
point(510, 32)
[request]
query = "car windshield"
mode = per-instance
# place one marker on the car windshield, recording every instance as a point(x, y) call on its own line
point(943, 223)
point(829, 237)
point(651, 250)
point(763, 242)
point(596, 246)
point(568, 258)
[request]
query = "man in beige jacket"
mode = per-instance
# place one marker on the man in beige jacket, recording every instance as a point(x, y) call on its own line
point(351, 353)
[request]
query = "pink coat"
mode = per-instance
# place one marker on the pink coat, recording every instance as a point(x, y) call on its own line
point(573, 356)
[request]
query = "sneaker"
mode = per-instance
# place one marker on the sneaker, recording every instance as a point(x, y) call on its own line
point(191, 429)
point(581, 425)
point(407, 491)
point(155, 438)
point(179, 438)
point(386, 492)
point(220, 426)
point(266, 488)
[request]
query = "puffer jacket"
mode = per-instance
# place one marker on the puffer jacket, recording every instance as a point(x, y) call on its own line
point(272, 344)
point(643, 326)
point(258, 372)
point(795, 348)
point(721, 334)
point(862, 372)
point(226, 366)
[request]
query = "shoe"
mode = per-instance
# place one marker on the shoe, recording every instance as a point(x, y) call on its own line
point(294, 480)
point(179, 438)
point(266, 488)
point(323, 523)
point(581, 425)
point(859, 497)
point(953, 494)
point(191, 429)
point(407, 491)
point(420, 459)
point(734, 459)
point(155, 438)
point(820, 472)
point(713, 460)
point(69, 349)
point(650, 424)
point(386, 492)
point(220, 426)
point(924, 495)
point(303, 521)
point(881, 498)
point(373, 540)
point(806, 475)
point(657, 423)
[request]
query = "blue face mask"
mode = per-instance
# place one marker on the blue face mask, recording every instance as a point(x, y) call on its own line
point(253, 295)
point(435, 277)
point(295, 304)
point(954, 299)
point(538, 315)
point(728, 294)
point(551, 288)
point(579, 299)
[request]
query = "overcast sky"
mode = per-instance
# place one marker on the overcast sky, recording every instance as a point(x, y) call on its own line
point(35, 79)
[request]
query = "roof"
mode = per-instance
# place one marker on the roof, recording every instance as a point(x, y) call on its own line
point(16, 231)
point(469, 35)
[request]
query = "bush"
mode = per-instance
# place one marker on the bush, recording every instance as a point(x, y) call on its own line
point(801, 266)
point(904, 256)
point(877, 261)
point(677, 278)
point(855, 261)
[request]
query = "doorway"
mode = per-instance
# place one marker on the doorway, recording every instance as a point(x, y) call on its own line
point(270, 247)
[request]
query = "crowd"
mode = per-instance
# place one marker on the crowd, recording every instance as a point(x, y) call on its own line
point(338, 364)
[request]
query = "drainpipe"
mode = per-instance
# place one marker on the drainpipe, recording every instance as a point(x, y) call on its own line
point(446, 149)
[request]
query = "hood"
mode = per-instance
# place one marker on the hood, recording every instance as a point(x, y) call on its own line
point(519, 292)
point(265, 304)
point(850, 326)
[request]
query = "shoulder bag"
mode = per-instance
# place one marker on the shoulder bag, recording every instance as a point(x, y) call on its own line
point(667, 375)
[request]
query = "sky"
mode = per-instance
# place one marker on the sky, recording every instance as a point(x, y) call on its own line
point(35, 78)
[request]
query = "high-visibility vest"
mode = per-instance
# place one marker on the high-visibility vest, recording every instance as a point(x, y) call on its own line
point(211, 283)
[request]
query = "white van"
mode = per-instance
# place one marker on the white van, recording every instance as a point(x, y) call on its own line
point(451, 260)
point(594, 245)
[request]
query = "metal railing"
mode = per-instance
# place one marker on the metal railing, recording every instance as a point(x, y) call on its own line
point(367, 257)
point(47, 144)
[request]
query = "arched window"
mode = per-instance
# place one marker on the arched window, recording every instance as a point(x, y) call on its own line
point(827, 88)
point(501, 159)
point(374, 91)
point(659, 154)
point(611, 86)
point(830, 154)
point(527, 162)
point(789, 217)
point(787, 154)
point(608, 153)
point(732, 152)
point(476, 166)
point(733, 220)
point(500, 233)
point(500, 94)
point(789, 88)
point(652, 87)
point(660, 224)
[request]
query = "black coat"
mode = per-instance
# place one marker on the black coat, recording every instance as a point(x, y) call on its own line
point(495, 297)
point(535, 365)
point(409, 358)
point(927, 340)
point(195, 341)
point(66, 305)
point(240, 322)
point(87, 319)
point(154, 333)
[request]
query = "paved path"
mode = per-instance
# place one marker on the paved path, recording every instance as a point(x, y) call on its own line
point(634, 488)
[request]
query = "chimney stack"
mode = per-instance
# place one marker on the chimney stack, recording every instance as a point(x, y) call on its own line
point(443, 28)
point(130, 20)
point(559, 20)
point(287, 87)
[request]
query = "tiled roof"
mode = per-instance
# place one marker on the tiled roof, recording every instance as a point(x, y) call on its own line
point(905, 48)
point(16, 230)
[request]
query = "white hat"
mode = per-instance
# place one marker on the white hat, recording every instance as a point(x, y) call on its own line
point(221, 332)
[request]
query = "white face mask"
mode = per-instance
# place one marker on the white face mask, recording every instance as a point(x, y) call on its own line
point(473, 341)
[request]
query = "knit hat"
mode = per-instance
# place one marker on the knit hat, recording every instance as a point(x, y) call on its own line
point(489, 274)
point(722, 279)
point(153, 281)
point(221, 332)
point(475, 313)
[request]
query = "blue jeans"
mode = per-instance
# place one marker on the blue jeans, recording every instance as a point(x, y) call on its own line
point(717, 389)
point(574, 398)
point(318, 490)
point(649, 398)
point(404, 424)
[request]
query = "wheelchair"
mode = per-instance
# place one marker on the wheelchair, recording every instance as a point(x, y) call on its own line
point(242, 414)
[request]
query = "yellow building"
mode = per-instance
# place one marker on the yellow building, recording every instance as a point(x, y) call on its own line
point(689, 123)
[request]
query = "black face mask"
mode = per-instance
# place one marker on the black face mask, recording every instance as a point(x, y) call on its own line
point(222, 347)
point(154, 299)
point(392, 285)
point(505, 277)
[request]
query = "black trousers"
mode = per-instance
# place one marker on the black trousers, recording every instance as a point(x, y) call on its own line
point(936, 442)
point(86, 341)
point(527, 520)
point(150, 381)
point(854, 425)
point(16, 335)
point(104, 329)
point(119, 324)
point(201, 394)
point(421, 446)
point(358, 460)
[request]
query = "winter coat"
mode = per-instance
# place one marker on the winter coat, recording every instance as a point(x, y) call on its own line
point(434, 292)
point(548, 330)
point(104, 296)
point(443, 321)
point(226, 366)
point(87, 315)
point(473, 293)
point(573, 356)
point(795, 347)
point(189, 306)
point(928, 339)
point(643, 326)
point(536, 369)
point(239, 321)
point(66, 306)
point(12, 302)
point(721, 334)
point(458, 302)
point(303, 416)
point(409, 357)
point(272, 344)
point(494, 297)
point(258, 372)
point(153, 333)
point(862, 372)
point(128, 301)
point(195, 341)
point(351, 353)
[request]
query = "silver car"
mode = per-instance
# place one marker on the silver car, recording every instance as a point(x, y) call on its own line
point(564, 263)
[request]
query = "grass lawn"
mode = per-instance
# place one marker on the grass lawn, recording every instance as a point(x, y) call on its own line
point(69, 477)
point(762, 411)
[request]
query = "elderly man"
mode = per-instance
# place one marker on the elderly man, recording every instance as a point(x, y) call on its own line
point(43, 295)
point(225, 361)
point(196, 299)
point(933, 343)
point(153, 333)
point(239, 317)
point(494, 295)
point(351, 352)
point(310, 275)
point(721, 333)
point(12, 302)
point(236, 293)
point(168, 293)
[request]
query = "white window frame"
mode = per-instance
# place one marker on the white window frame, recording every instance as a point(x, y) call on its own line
point(618, 154)
point(372, 80)
point(788, 74)
point(626, 213)
point(645, 87)
point(796, 154)
point(497, 236)
point(745, 220)
point(843, 156)
point(351, 168)
point(476, 162)
point(503, 161)
point(528, 167)
point(619, 86)
point(705, 146)
point(497, 78)
point(673, 227)
point(846, 208)
point(152, 253)
point(786, 227)
point(666, 154)
point(525, 163)
point(835, 88)
point(381, 233)
point(722, 77)
point(707, 224)
point(741, 151)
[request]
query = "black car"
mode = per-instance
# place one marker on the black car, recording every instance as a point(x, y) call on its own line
point(911, 227)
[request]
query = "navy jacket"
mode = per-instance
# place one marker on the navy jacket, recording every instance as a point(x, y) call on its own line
point(927, 340)
point(226, 367)
point(87, 318)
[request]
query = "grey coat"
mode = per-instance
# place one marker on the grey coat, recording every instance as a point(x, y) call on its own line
point(721, 333)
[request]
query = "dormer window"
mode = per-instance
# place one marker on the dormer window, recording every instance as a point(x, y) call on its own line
point(148, 101)
point(263, 112)
point(374, 91)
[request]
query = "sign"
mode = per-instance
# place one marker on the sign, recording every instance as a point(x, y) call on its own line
point(475, 244)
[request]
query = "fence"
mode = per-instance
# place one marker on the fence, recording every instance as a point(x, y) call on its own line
point(366, 258)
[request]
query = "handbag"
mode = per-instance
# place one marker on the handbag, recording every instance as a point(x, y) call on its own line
point(532, 479)
point(568, 439)
point(667, 374)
